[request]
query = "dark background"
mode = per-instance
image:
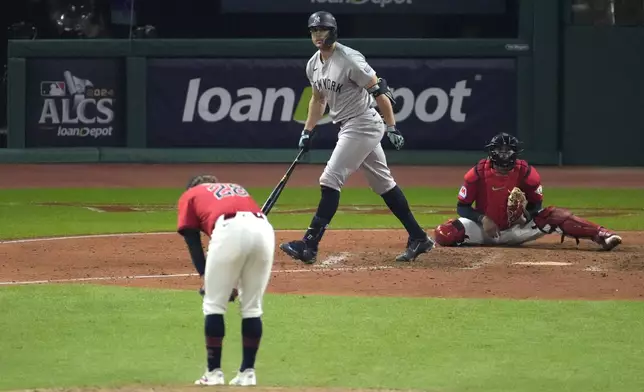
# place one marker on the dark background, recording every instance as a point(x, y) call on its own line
point(37, 19)
point(203, 19)
point(88, 19)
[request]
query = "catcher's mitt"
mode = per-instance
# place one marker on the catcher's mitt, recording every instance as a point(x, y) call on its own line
point(517, 203)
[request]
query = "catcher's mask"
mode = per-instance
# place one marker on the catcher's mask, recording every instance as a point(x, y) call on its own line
point(503, 151)
point(323, 20)
point(201, 179)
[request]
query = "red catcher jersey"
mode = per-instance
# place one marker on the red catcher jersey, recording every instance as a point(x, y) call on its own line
point(200, 206)
point(488, 190)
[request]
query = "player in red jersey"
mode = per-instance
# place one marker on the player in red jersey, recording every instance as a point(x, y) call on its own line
point(240, 257)
point(489, 184)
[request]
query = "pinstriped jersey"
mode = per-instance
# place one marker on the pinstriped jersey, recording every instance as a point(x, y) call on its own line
point(342, 79)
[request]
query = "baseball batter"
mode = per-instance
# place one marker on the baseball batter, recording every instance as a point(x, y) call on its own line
point(240, 253)
point(505, 215)
point(342, 78)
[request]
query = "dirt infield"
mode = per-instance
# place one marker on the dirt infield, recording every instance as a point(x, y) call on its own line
point(350, 262)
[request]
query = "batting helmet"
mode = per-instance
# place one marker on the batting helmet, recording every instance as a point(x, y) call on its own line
point(325, 20)
point(503, 150)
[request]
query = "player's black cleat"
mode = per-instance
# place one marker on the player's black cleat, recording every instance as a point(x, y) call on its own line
point(299, 251)
point(414, 248)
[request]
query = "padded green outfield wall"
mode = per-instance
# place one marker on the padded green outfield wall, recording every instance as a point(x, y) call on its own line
point(604, 96)
point(533, 107)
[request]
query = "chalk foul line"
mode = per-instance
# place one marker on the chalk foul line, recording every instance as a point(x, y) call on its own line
point(111, 235)
point(327, 265)
point(168, 276)
point(83, 237)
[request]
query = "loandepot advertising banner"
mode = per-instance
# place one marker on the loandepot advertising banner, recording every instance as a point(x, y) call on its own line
point(452, 104)
point(75, 103)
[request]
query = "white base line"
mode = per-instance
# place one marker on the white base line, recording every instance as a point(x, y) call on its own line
point(90, 236)
point(105, 278)
point(80, 237)
point(133, 277)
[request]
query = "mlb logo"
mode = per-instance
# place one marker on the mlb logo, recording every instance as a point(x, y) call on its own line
point(52, 89)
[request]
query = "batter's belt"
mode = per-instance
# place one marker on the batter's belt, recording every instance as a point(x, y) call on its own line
point(231, 215)
point(234, 214)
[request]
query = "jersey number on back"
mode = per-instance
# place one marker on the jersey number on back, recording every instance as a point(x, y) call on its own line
point(221, 191)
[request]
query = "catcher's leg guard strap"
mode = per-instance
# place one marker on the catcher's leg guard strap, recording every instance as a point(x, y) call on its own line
point(450, 233)
point(553, 219)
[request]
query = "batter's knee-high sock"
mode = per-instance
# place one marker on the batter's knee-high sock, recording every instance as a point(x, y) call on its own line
point(215, 331)
point(329, 202)
point(397, 203)
point(251, 337)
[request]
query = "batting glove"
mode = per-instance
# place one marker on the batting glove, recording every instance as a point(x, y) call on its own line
point(305, 140)
point(395, 137)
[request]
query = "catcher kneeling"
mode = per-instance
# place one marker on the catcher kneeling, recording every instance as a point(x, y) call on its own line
point(509, 196)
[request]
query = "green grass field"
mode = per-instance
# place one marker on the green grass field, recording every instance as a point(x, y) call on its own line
point(64, 336)
point(24, 213)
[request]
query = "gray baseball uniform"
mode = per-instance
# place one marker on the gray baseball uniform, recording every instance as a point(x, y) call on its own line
point(342, 80)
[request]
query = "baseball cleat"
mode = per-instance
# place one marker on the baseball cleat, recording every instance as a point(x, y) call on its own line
point(216, 377)
point(246, 378)
point(414, 248)
point(608, 240)
point(299, 251)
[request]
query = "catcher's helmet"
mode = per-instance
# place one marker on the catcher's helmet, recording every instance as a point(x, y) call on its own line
point(503, 150)
point(325, 20)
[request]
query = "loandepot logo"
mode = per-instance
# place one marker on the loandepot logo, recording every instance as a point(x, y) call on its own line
point(249, 104)
point(254, 105)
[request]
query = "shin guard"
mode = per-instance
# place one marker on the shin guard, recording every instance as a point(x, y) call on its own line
point(562, 221)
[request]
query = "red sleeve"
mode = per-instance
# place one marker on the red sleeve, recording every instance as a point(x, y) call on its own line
point(467, 193)
point(187, 218)
point(532, 186)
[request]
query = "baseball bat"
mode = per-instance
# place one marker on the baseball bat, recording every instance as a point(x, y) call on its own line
point(277, 191)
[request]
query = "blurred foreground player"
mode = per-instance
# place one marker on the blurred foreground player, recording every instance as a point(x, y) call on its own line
point(239, 262)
